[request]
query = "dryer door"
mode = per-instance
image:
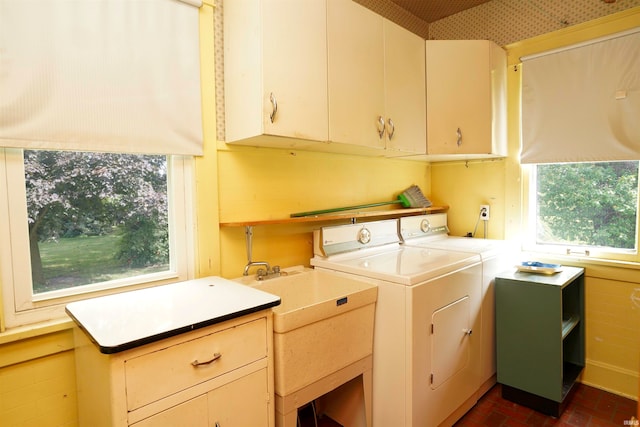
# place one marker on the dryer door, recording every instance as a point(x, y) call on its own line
point(451, 332)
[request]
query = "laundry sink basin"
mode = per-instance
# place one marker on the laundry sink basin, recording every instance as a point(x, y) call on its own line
point(323, 324)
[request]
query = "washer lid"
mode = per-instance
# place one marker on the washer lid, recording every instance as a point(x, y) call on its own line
point(398, 264)
point(484, 247)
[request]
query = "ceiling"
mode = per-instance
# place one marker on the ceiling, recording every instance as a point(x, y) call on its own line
point(433, 10)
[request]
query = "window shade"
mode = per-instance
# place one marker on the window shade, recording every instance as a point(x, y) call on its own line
point(582, 104)
point(100, 75)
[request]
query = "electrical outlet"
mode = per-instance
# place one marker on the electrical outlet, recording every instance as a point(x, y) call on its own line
point(484, 212)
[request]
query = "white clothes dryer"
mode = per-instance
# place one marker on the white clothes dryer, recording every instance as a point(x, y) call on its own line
point(431, 231)
point(426, 356)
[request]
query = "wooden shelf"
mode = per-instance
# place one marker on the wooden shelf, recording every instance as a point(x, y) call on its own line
point(341, 216)
point(568, 325)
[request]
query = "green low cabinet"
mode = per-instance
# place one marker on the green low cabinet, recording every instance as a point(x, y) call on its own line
point(540, 330)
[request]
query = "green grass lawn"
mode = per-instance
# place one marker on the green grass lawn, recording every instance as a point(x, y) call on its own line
point(83, 260)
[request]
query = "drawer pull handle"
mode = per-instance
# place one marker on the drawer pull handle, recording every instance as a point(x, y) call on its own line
point(216, 356)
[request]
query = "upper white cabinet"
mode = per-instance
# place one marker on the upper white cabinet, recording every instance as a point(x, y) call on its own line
point(405, 83)
point(356, 74)
point(466, 99)
point(275, 63)
point(326, 75)
point(376, 81)
point(331, 75)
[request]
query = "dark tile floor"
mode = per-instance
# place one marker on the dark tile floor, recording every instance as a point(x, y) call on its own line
point(589, 407)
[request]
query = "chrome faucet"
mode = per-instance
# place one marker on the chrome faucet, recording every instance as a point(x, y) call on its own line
point(255, 264)
point(263, 273)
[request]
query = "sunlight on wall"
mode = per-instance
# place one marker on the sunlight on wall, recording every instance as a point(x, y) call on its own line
point(464, 187)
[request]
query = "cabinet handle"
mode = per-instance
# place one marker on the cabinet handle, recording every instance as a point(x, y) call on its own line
point(380, 127)
point(216, 356)
point(391, 132)
point(459, 134)
point(274, 107)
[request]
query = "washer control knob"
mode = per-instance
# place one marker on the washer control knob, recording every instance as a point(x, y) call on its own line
point(425, 226)
point(364, 236)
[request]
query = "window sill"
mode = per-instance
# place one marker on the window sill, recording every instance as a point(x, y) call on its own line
point(35, 330)
point(626, 271)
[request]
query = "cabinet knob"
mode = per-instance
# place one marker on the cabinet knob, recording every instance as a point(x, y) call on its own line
point(392, 128)
point(467, 331)
point(380, 126)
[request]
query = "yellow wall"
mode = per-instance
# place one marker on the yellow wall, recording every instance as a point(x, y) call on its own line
point(206, 192)
point(464, 186)
point(612, 330)
point(271, 184)
point(37, 377)
point(37, 374)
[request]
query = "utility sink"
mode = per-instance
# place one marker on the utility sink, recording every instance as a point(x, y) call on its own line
point(323, 324)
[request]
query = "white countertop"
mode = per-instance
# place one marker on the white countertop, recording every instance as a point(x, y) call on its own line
point(129, 319)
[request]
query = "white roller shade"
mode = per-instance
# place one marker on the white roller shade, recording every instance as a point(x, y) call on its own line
point(100, 75)
point(582, 104)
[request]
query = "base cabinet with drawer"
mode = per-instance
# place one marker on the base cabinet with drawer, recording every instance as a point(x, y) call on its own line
point(216, 376)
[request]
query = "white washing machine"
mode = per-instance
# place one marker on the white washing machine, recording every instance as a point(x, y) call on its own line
point(426, 358)
point(431, 231)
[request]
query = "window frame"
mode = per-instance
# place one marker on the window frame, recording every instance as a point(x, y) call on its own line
point(530, 245)
point(20, 306)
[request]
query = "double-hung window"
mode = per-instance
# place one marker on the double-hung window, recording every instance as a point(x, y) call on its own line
point(588, 209)
point(581, 148)
point(81, 223)
point(100, 117)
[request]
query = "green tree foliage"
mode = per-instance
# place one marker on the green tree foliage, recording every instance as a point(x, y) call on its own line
point(589, 204)
point(91, 194)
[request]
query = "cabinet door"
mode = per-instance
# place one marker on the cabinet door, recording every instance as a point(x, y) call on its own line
point(529, 334)
point(405, 97)
point(452, 328)
point(356, 74)
point(295, 68)
point(458, 97)
point(192, 413)
point(242, 72)
point(241, 403)
point(279, 47)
